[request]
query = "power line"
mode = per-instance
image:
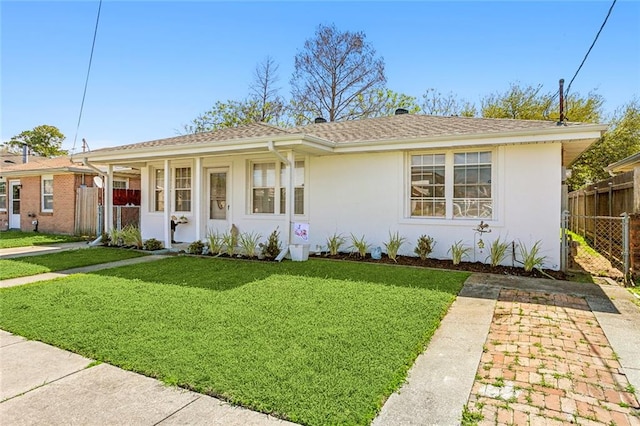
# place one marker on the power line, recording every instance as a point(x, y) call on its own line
point(86, 82)
point(566, 93)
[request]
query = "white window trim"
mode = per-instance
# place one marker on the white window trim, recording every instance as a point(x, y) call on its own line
point(278, 186)
point(125, 180)
point(449, 219)
point(44, 178)
point(5, 195)
point(152, 189)
point(174, 189)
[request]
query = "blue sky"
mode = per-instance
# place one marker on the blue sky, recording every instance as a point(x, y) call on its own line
point(157, 65)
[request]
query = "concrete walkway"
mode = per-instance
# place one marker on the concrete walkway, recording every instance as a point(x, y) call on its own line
point(42, 384)
point(8, 253)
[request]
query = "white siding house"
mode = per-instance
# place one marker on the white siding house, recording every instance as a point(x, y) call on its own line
point(414, 174)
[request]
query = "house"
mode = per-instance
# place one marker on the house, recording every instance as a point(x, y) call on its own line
point(54, 195)
point(414, 174)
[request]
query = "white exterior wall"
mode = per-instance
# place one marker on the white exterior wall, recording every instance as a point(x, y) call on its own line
point(366, 194)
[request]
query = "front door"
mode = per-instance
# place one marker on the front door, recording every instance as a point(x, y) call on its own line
point(218, 212)
point(14, 204)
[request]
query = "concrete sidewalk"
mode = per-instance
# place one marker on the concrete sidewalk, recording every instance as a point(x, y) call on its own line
point(8, 253)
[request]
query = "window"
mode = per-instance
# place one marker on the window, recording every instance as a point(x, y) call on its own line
point(427, 185)
point(3, 195)
point(451, 185)
point(267, 192)
point(472, 185)
point(120, 184)
point(47, 193)
point(182, 188)
point(158, 191)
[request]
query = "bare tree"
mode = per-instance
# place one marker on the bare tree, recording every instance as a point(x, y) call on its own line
point(435, 103)
point(331, 72)
point(264, 91)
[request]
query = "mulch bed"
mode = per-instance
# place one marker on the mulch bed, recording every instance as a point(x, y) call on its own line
point(448, 264)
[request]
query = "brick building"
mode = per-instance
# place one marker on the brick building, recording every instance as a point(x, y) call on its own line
point(43, 194)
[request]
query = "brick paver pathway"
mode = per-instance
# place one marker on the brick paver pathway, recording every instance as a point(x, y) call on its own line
point(546, 361)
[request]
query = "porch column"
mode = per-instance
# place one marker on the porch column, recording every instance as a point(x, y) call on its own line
point(108, 199)
point(167, 204)
point(197, 198)
point(290, 196)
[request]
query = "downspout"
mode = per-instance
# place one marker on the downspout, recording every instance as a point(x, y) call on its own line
point(289, 194)
point(100, 173)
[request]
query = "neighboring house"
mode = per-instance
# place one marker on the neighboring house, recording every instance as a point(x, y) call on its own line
point(45, 190)
point(414, 174)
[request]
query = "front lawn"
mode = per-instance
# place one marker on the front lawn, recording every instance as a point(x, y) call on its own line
point(13, 238)
point(317, 342)
point(32, 265)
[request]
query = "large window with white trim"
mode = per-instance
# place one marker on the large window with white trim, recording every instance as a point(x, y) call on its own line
point(158, 190)
point(47, 193)
point(269, 194)
point(182, 189)
point(451, 185)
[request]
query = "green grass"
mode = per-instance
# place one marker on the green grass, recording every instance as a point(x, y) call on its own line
point(317, 342)
point(583, 243)
point(32, 265)
point(12, 238)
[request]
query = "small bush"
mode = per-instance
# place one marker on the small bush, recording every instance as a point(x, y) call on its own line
point(458, 251)
point(153, 244)
point(530, 258)
point(359, 245)
point(393, 245)
point(334, 242)
point(131, 236)
point(424, 247)
point(196, 247)
point(249, 243)
point(497, 251)
point(272, 247)
point(115, 238)
point(215, 241)
point(230, 241)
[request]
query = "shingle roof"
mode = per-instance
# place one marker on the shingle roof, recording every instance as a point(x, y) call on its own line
point(407, 126)
point(44, 163)
point(252, 130)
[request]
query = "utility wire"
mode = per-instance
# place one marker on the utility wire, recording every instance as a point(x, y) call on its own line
point(566, 93)
point(86, 82)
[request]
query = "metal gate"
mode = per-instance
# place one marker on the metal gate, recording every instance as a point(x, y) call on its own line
point(606, 239)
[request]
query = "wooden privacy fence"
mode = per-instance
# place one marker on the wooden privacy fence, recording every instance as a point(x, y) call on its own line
point(86, 210)
point(610, 197)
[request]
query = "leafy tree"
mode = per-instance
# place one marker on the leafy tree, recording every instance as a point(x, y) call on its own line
point(435, 103)
point(44, 140)
point(620, 141)
point(333, 70)
point(530, 103)
point(383, 102)
point(225, 114)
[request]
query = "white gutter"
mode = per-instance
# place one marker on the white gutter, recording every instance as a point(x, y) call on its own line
point(289, 196)
point(104, 217)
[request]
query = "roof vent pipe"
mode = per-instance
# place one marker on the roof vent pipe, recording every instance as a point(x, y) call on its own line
point(401, 111)
point(319, 120)
point(560, 91)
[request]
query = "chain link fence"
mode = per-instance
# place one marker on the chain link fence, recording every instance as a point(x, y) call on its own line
point(599, 245)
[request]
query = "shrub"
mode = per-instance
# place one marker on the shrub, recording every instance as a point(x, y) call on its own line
point(530, 258)
point(216, 244)
point(230, 241)
point(497, 251)
point(359, 245)
point(334, 242)
point(249, 243)
point(153, 244)
point(196, 247)
point(393, 245)
point(424, 247)
point(458, 251)
point(272, 247)
point(131, 236)
point(115, 238)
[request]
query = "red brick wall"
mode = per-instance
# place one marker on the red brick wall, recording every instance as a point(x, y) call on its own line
point(61, 220)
